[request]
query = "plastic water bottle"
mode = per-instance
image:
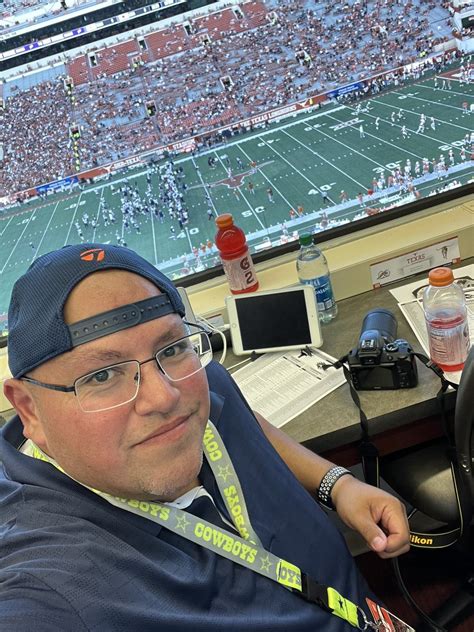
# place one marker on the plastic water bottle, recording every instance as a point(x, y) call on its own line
point(312, 269)
point(235, 256)
point(445, 310)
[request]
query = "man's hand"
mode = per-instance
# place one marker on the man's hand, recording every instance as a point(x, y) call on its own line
point(379, 517)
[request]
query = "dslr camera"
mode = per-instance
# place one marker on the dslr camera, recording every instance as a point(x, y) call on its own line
point(380, 361)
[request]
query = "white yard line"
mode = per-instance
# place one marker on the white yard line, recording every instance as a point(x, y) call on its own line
point(444, 121)
point(17, 241)
point(407, 151)
point(438, 90)
point(313, 185)
point(8, 224)
point(268, 180)
point(274, 130)
point(359, 184)
point(310, 182)
point(44, 233)
point(73, 218)
point(243, 196)
point(152, 221)
point(351, 149)
point(189, 238)
point(97, 216)
point(206, 188)
point(425, 135)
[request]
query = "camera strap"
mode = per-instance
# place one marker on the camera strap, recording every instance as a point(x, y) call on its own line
point(369, 455)
point(367, 449)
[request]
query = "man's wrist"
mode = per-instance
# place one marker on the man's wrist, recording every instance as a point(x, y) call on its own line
point(328, 481)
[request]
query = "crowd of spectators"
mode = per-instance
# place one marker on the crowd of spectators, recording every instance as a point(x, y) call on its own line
point(37, 145)
point(301, 50)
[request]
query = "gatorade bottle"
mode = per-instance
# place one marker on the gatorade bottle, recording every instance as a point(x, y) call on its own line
point(235, 256)
point(445, 310)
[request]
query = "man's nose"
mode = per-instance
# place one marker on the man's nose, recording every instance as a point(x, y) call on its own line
point(157, 393)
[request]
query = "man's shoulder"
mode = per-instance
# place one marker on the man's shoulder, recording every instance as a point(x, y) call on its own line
point(27, 602)
point(50, 556)
point(222, 383)
point(42, 529)
point(218, 375)
point(230, 411)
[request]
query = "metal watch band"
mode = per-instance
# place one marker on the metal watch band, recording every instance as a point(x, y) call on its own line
point(327, 483)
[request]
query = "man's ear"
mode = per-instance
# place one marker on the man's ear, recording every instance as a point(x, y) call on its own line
point(19, 396)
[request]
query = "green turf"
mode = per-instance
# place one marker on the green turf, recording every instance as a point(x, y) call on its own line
point(296, 158)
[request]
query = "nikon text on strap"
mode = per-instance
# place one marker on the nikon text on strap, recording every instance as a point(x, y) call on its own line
point(439, 538)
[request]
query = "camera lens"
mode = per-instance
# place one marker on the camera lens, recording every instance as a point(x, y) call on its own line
point(383, 321)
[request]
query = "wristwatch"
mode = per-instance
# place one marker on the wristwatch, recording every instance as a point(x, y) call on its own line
point(327, 483)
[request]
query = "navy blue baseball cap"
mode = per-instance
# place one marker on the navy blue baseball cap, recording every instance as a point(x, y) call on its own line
point(36, 328)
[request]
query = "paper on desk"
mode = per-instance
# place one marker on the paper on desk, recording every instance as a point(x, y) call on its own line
point(409, 298)
point(282, 385)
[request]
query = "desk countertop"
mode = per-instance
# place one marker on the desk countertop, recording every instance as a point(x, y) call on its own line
point(333, 422)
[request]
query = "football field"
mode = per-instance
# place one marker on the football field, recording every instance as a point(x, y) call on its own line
point(262, 178)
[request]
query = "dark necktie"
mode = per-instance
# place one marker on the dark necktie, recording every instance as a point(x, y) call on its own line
point(203, 507)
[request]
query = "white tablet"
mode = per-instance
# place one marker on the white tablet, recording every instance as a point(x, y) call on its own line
point(275, 320)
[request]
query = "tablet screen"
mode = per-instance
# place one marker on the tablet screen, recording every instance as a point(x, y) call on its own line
point(273, 320)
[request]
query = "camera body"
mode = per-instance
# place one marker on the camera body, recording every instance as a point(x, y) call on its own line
point(380, 361)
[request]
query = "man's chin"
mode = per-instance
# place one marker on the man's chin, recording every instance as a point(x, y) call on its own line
point(160, 494)
point(184, 479)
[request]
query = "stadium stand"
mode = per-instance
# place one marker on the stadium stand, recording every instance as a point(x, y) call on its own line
point(225, 67)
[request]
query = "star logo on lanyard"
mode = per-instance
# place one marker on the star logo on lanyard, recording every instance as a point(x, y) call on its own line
point(266, 564)
point(224, 473)
point(181, 523)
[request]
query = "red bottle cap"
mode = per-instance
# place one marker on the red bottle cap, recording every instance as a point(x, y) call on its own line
point(225, 220)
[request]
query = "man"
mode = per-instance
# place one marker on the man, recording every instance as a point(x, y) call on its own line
point(111, 519)
point(324, 196)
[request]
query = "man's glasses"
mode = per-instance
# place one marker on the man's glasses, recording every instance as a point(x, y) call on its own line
point(118, 384)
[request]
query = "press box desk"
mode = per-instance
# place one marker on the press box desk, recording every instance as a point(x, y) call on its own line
point(397, 418)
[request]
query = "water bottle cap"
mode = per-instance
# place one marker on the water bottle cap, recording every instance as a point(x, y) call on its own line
point(225, 220)
point(439, 277)
point(306, 239)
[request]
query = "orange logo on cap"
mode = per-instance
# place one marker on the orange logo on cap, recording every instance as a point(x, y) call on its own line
point(94, 254)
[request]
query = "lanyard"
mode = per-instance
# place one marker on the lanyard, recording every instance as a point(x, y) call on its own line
point(244, 549)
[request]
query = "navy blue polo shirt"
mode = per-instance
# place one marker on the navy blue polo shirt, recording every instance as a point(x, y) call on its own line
point(70, 561)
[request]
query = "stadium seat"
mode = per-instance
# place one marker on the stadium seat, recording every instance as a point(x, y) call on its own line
point(437, 481)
